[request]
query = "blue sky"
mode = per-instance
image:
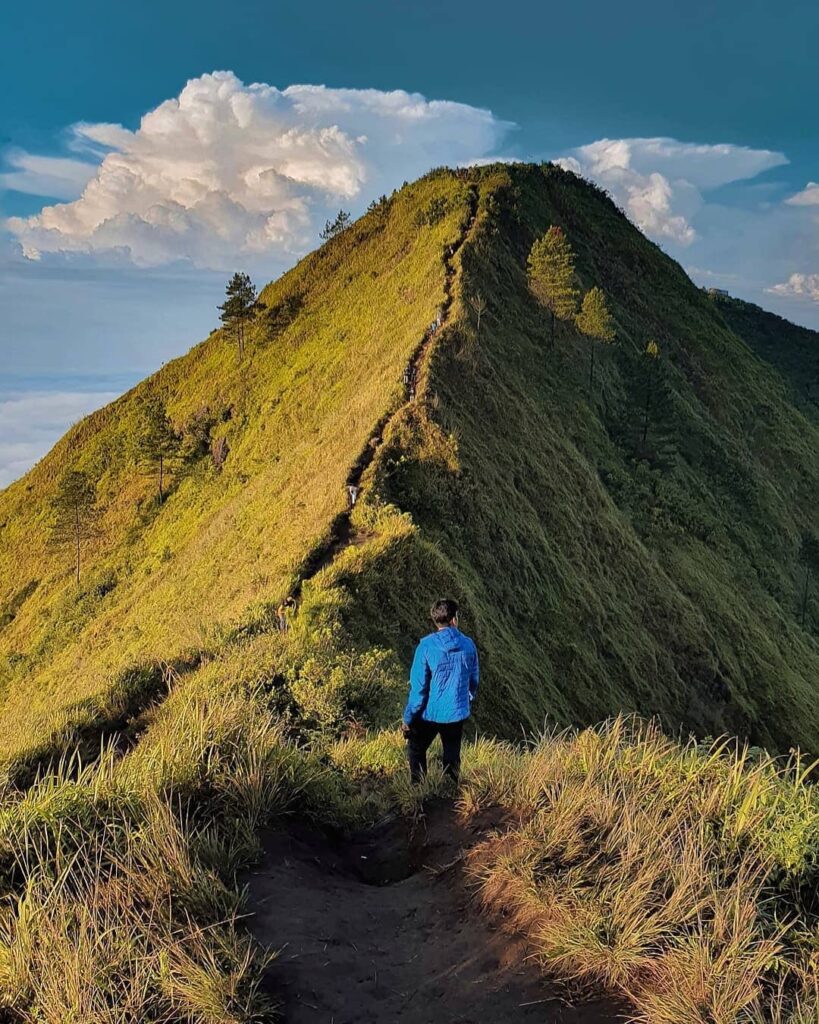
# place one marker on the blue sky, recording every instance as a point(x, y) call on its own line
point(697, 116)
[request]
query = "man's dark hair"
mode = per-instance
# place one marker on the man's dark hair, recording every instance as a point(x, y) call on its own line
point(444, 611)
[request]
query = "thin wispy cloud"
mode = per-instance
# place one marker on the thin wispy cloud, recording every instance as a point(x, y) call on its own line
point(31, 422)
point(58, 177)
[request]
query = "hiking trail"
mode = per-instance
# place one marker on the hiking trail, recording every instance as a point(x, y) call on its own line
point(379, 929)
point(342, 534)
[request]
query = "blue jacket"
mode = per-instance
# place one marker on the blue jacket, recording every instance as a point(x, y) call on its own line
point(443, 679)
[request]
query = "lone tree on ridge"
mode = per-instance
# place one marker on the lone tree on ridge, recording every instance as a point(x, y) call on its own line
point(239, 308)
point(551, 275)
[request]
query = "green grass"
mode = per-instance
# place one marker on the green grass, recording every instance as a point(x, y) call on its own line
point(597, 578)
point(296, 413)
point(793, 350)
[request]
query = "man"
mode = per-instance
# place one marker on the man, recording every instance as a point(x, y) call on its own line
point(443, 684)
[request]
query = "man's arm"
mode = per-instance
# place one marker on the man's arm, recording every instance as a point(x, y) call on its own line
point(474, 675)
point(420, 675)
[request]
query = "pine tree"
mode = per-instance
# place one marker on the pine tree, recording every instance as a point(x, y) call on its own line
point(239, 308)
point(551, 275)
point(378, 205)
point(595, 321)
point(75, 513)
point(335, 227)
point(157, 441)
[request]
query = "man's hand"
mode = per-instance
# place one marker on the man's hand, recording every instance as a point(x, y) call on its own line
point(405, 729)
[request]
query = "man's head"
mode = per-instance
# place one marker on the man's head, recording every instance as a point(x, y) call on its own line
point(445, 613)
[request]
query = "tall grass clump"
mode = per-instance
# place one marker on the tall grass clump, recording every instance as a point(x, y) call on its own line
point(681, 877)
point(124, 924)
point(118, 877)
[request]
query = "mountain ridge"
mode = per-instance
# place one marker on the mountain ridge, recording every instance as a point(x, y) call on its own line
point(654, 629)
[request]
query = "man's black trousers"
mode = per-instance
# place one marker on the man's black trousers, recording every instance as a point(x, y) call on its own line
point(419, 737)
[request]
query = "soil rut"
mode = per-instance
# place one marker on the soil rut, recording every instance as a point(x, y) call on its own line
point(381, 929)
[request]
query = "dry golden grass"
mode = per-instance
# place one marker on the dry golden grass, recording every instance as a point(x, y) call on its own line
point(663, 873)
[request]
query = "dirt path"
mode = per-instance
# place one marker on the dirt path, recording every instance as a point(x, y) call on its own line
point(381, 929)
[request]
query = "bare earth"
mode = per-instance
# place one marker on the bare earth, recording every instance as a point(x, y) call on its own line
point(381, 928)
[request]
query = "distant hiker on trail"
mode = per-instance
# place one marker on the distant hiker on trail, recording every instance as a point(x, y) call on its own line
point(410, 377)
point(443, 684)
point(285, 608)
point(352, 491)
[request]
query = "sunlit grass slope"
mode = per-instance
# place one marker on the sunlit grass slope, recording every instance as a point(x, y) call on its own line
point(597, 573)
point(295, 414)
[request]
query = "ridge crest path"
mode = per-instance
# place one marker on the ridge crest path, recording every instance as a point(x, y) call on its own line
point(341, 532)
point(379, 929)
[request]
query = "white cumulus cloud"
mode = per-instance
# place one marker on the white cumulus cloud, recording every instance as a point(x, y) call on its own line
point(809, 196)
point(660, 182)
point(804, 286)
point(228, 170)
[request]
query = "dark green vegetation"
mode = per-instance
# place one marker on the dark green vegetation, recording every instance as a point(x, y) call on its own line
point(793, 350)
point(645, 543)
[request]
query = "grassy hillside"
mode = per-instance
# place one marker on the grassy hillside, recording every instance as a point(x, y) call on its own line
point(167, 580)
point(599, 571)
point(598, 574)
point(793, 350)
